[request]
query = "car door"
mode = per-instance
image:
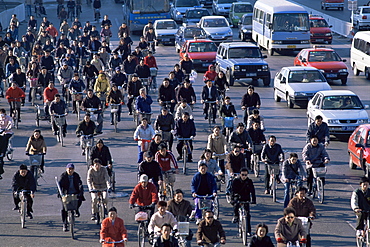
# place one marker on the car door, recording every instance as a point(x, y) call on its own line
point(314, 108)
point(280, 83)
point(355, 151)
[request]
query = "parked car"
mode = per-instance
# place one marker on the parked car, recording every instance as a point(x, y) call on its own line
point(361, 18)
point(297, 85)
point(179, 7)
point(245, 27)
point(342, 110)
point(187, 32)
point(320, 30)
point(237, 10)
point(222, 7)
point(165, 31)
point(326, 60)
point(359, 148)
point(339, 4)
point(242, 60)
point(195, 14)
point(201, 51)
point(217, 28)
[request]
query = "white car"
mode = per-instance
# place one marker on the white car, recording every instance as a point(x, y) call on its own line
point(297, 85)
point(165, 31)
point(217, 28)
point(342, 110)
point(361, 18)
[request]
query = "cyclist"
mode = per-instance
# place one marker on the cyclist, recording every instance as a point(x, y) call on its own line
point(167, 93)
point(209, 93)
point(256, 117)
point(44, 77)
point(106, 33)
point(272, 154)
point(250, 101)
point(178, 206)
point(15, 94)
point(123, 29)
point(49, 96)
point(210, 231)
point(360, 201)
point(202, 184)
point(165, 158)
point(256, 134)
point(144, 194)
point(97, 62)
point(320, 129)
point(151, 168)
point(210, 74)
point(77, 85)
point(143, 102)
point(227, 109)
point(115, 96)
point(119, 79)
point(289, 229)
point(113, 229)
point(23, 180)
point(217, 145)
point(211, 163)
point(154, 144)
point(101, 86)
point(151, 38)
point(185, 128)
point(161, 217)
point(89, 71)
point(20, 79)
point(241, 136)
point(36, 145)
point(147, 27)
point(179, 74)
point(174, 82)
point(165, 123)
point(221, 83)
point(291, 169)
point(71, 184)
point(58, 107)
point(71, 4)
point(85, 127)
point(182, 108)
point(314, 155)
point(143, 133)
point(115, 61)
point(165, 238)
point(92, 101)
point(133, 88)
point(186, 92)
point(150, 61)
point(243, 190)
point(235, 161)
point(101, 152)
point(98, 179)
point(6, 123)
point(106, 21)
point(186, 65)
point(260, 239)
point(65, 74)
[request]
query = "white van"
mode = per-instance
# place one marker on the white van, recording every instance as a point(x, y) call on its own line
point(360, 53)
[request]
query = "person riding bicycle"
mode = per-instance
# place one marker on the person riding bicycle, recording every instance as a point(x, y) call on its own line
point(143, 134)
point(78, 86)
point(71, 184)
point(179, 74)
point(235, 161)
point(58, 107)
point(165, 158)
point(119, 78)
point(151, 38)
point(71, 4)
point(202, 184)
point(15, 94)
point(144, 194)
point(320, 129)
point(185, 128)
point(227, 109)
point(161, 217)
point(133, 91)
point(182, 108)
point(166, 239)
point(210, 74)
point(65, 75)
point(186, 92)
point(241, 136)
point(260, 239)
point(256, 117)
point(256, 134)
point(289, 229)
point(209, 93)
point(101, 152)
point(154, 144)
point(272, 154)
point(23, 179)
point(98, 179)
point(211, 163)
point(360, 204)
point(89, 71)
point(186, 65)
point(291, 169)
point(20, 79)
point(113, 229)
point(165, 123)
point(178, 206)
point(151, 62)
point(92, 101)
point(151, 168)
point(218, 146)
point(101, 86)
point(36, 145)
point(166, 93)
point(221, 83)
point(314, 155)
point(250, 101)
point(85, 127)
point(143, 102)
point(6, 123)
point(210, 231)
point(242, 189)
point(115, 96)
point(49, 96)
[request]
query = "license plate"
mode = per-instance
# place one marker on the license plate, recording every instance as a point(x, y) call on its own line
point(334, 5)
point(331, 75)
point(251, 74)
point(205, 64)
point(165, 39)
point(348, 127)
point(319, 40)
point(291, 46)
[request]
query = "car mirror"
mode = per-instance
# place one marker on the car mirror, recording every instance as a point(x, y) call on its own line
point(330, 26)
point(304, 60)
point(283, 80)
point(344, 60)
point(264, 56)
point(359, 145)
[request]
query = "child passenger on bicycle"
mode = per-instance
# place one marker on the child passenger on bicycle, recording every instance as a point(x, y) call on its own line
point(360, 204)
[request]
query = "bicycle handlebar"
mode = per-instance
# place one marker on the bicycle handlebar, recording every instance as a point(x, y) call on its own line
point(184, 139)
point(148, 207)
point(60, 115)
point(205, 197)
point(115, 242)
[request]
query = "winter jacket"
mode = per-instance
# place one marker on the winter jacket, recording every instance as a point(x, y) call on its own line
point(166, 93)
point(290, 233)
point(211, 182)
point(185, 129)
point(36, 146)
point(144, 197)
point(217, 145)
point(24, 183)
point(315, 154)
point(145, 134)
point(49, 94)
point(98, 180)
point(249, 101)
point(143, 104)
point(165, 123)
point(103, 154)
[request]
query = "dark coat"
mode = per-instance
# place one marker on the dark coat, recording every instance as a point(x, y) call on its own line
point(26, 183)
point(214, 94)
point(86, 129)
point(185, 129)
point(103, 154)
point(77, 182)
point(249, 101)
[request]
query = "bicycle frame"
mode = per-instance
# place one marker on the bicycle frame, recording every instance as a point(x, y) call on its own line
point(35, 163)
point(243, 222)
point(364, 239)
point(100, 205)
point(60, 121)
point(23, 206)
point(186, 150)
point(274, 170)
point(256, 151)
point(167, 187)
point(142, 231)
point(211, 107)
point(318, 185)
point(208, 202)
point(88, 141)
point(114, 110)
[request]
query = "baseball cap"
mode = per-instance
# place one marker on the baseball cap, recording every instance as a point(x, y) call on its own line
point(143, 178)
point(70, 165)
point(148, 154)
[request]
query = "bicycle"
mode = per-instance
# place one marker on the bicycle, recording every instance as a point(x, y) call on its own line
point(318, 186)
point(23, 206)
point(142, 218)
point(255, 159)
point(143, 115)
point(40, 115)
point(35, 164)
point(114, 242)
point(166, 192)
point(70, 204)
point(307, 222)
point(9, 150)
point(96, 14)
point(114, 110)
point(77, 97)
point(60, 121)
point(220, 178)
point(209, 202)
point(88, 141)
point(15, 105)
point(183, 227)
point(274, 171)
point(228, 187)
point(146, 83)
point(211, 108)
point(229, 126)
point(34, 88)
point(102, 211)
point(243, 222)
point(186, 150)
point(112, 177)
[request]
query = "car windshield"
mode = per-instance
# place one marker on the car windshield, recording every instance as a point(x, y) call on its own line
point(340, 102)
point(243, 8)
point(196, 13)
point(323, 56)
point(166, 25)
point(202, 47)
point(244, 52)
point(318, 23)
point(247, 20)
point(225, 1)
point(290, 22)
point(190, 33)
point(366, 10)
point(186, 3)
point(305, 76)
point(215, 23)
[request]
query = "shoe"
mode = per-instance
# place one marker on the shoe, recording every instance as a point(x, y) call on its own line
point(65, 228)
point(359, 233)
point(98, 133)
point(179, 158)
point(77, 214)
point(267, 192)
point(74, 112)
point(198, 221)
point(55, 133)
point(309, 193)
point(189, 160)
point(111, 123)
point(22, 104)
point(105, 211)
point(206, 117)
point(93, 217)
point(214, 121)
point(249, 234)
point(19, 120)
point(130, 113)
point(64, 135)
point(235, 220)
point(83, 153)
point(1, 177)
point(16, 208)
point(29, 215)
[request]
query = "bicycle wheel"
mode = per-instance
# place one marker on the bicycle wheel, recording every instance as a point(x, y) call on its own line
point(78, 110)
point(169, 191)
point(33, 95)
point(244, 230)
point(87, 154)
point(23, 212)
point(60, 132)
point(9, 154)
point(273, 189)
point(210, 115)
point(71, 220)
point(113, 181)
point(37, 119)
point(256, 165)
point(216, 208)
point(101, 212)
point(320, 190)
point(115, 121)
point(185, 158)
point(141, 235)
point(360, 242)
point(35, 173)
point(15, 118)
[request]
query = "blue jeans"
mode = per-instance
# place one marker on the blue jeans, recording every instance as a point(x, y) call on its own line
point(286, 191)
point(139, 154)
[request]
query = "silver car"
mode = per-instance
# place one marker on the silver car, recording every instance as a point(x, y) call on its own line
point(217, 28)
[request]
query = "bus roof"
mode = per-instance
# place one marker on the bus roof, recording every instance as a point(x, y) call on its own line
point(279, 6)
point(363, 34)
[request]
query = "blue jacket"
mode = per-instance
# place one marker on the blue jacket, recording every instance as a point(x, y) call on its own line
point(185, 129)
point(195, 183)
point(143, 105)
point(78, 85)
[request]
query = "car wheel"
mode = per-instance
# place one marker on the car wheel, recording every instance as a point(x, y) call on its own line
point(270, 51)
point(367, 73)
point(230, 78)
point(344, 81)
point(356, 72)
point(350, 163)
point(289, 102)
point(276, 97)
point(266, 81)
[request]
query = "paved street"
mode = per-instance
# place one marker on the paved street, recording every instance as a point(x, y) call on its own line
point(333, 227)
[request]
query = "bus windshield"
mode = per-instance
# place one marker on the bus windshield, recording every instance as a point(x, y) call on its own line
point(243, 8)
point(150, 6)
point(291, 22)
point(225, 1)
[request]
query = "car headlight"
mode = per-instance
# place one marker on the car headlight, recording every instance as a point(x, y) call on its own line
point(299, 94)
point(305, 42)
point(363, 121)
point(230, 33)
point(328, 34)
point(178, 13)
point(246, 31)
point(236, 67)
point(220, 8)
point(333, 121)
point(343, 70)
point(277, 42)
point(265, 67)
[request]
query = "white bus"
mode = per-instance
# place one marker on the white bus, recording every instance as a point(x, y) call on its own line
point(280, 25)
point(360, 54)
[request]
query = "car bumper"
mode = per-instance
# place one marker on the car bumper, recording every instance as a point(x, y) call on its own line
point(221, 39)
point(321, 38)
point(334, 5)
point(206, 2)
point(254, 75)
point(290, 47)
point(202, 64)
point(342, 129)
point(301, 100)
point(223, 12)
point(336, 76)
point(165, 40)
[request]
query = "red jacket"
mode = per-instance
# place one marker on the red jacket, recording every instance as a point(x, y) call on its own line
point(49, 94)
point(11, 94)
point(150, 61)
point(144, 197)
point(111, 233)
point(52, 31)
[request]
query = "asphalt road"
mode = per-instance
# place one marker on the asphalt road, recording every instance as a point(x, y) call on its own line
point(333, 227)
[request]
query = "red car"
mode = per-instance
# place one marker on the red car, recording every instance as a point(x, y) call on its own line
point(320, 30)
point(359, 148)
point(201, 51)
point(326, 60)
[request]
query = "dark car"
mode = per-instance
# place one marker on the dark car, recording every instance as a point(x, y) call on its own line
point(194, 15)
point(187, 32)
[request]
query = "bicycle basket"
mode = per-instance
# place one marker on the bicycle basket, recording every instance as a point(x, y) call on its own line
point(205, 203)
point(274, 169)
point(33, 82)
point(229, 122)
point(144, 146)
point(183, 228)
point(60, 121)
point(114, 108)
point(70, 202)
point(153, 72)
point(319, 172)
point(169, 178)
point(141, 216)
point(35, 160)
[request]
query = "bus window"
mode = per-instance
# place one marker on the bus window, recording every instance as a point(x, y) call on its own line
point(268, 19)
point(291, 22)
point(260, 17)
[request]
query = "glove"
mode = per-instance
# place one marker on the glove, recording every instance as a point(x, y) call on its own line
point(136, 140)
point(279, 240)
point(78, 135)
point(303, 241)
point(131, 206)
point(27, 153)
point(106, 104)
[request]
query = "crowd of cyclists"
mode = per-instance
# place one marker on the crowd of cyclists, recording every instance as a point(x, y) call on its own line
point(91, 74)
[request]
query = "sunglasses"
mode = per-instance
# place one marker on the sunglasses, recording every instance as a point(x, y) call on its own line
point(210, 217)
point(290, 217)
point(244, 175)
point(236, 151)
